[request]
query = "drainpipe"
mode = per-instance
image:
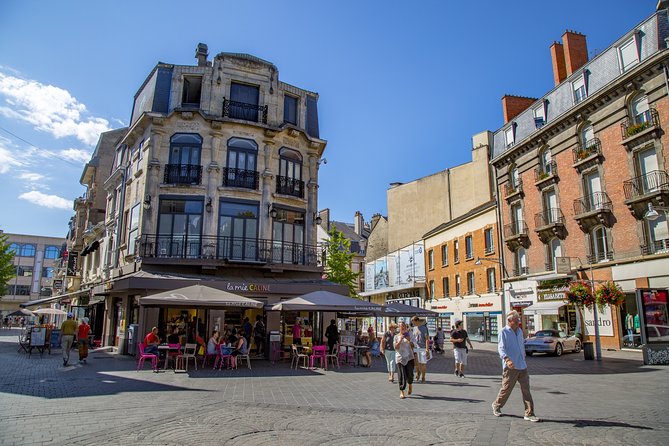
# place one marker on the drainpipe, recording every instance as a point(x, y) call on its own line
point(119, 227)
point(498, 208)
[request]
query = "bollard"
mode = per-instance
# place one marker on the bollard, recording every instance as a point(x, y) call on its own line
point(588, 351)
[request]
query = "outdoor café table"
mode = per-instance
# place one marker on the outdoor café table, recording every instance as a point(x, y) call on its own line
point(347, 346)
point(358, 350)
point(167, 349)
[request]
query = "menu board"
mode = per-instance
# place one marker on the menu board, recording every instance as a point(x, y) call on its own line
point(38, 337)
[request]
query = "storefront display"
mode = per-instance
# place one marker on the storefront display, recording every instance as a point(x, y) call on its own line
point(655, 316)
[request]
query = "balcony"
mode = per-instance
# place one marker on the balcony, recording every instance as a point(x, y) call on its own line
point(549, 223)
point(246, 179)
point(290, 186)
point(244, 111)
point(513, 190)
point(655, 247)
point(516, 235)
point(593, 210)
point(546, 175)
point(521, 271)
point(588, 154)
point(642, 127)
point(170, 248)
point(603, 256)
point(652, 187)
point(183, 174)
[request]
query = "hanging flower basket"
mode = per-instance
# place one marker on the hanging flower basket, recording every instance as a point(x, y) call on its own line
point(580, 294)
point(609, 294)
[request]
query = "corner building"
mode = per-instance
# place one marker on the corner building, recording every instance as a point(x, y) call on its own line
point(578, 171)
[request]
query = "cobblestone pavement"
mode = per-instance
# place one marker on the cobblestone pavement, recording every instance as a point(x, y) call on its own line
point(617, 401)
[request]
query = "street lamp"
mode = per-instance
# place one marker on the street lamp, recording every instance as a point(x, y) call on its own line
point(652, 213)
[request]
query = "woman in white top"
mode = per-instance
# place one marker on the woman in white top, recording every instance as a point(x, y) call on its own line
point(404, 358)
point(212, 345)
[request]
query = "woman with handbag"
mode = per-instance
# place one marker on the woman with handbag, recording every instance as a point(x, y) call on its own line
point(404, 359)
point(388, 350)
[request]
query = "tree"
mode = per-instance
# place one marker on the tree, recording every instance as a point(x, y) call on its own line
point(338, 258)
point(7, 268)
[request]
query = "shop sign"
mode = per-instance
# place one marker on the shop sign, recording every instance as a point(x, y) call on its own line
point(439, 307)
point(485, 304)
point(57, 284)
point(522, 303)
point(604, 319)
point(551, 295)
point(249, 287)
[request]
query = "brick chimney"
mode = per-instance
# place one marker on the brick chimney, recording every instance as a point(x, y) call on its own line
point(359, 223)
point(559, 67)
point(512, 106)
point(201, 54)
point(575, 51)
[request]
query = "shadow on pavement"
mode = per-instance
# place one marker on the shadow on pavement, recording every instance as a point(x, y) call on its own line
point(589, 423)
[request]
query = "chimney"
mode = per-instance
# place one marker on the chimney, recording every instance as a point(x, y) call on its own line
point(375, 218)
point(575, 51)
point(201, 54)
point(559, 67)
point(325, 218)
point(359, 223)
point(512, 106)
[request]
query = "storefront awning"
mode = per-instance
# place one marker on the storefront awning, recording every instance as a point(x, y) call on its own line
point(547, 307)
point(51, 299)
point(399, 309)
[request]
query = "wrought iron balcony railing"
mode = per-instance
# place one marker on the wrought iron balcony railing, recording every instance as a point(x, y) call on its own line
point(244, 111)
point(521, 271)
point(548, 217)
point(183, 174)
point(233, 177)
point(515, 229)
point(228, 249)
point(512, 189)
point(600, 256)
point(598, 201)
point(655, 181)
point(290, 186)
point(544, 172)
point(637, 124)
point(583, 151)
point(656, 247)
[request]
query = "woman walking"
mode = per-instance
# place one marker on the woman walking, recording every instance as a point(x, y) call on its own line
point(404, 359)
point(388, 350)
point(419, 337)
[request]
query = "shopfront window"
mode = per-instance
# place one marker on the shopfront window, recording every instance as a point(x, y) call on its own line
point(656, 317)
point(629, 317)
point(475, 326)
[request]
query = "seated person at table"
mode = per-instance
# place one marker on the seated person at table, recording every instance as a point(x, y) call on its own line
point(173, 338)
point(232, 339)
point(212, 345)
point(151, 342)
point(241, 347)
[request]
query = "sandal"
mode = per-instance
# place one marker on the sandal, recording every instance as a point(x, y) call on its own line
point(402, 395)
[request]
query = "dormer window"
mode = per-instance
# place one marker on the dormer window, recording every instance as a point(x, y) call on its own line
point(192, 91)
point(510, 135)
point(290, 109)
point(629, 54)
point(539, 116)
point(580, 92)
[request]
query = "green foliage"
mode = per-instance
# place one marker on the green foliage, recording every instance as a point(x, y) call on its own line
point(338, 258)
point(7, 268)
point(609, 294)
point(580, 294)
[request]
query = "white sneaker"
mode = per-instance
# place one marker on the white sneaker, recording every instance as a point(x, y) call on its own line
point(495, 411)
point(532, 418)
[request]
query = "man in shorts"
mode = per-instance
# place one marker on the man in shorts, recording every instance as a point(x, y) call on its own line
point(460, 339)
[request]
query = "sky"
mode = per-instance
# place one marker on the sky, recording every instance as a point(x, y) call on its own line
point(403, 85)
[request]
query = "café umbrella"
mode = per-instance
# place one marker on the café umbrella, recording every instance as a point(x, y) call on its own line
point(54, 311)
point(327, 301)
point(21, 312)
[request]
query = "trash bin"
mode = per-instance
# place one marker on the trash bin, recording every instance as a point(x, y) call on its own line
point(588, 351)
point(274, 346)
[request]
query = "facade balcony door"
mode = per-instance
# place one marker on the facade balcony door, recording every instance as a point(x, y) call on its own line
point(180, 229)
point(238, 231)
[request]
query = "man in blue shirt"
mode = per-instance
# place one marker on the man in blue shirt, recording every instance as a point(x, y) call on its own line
point(511, 349)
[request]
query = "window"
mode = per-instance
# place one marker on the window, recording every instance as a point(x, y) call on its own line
point(244, 103)
point(184, 163)
point(179, 228)
point(587, 135)
point(133, 228)
point(432, 289)
point(492, 283)
point(430, 259)
point(289, 181)
point(238, 231)
point(288, 237)
point(539, 116)
point(241, 164)
point(629, 54)
point(28, 250)
point(469, 247)
point(19, 290)
point(489, 241)
point(290, 109)
point(554, 249)
point(51, 252)
point(551, 209)
point(48, 272)
point(444, 255)
point(456, 251)
point(599, 245)
point(515, 177)
point(640, 110)
point(457, 284)
point(517, 222)
point(444, 284)
point(509, 135)
point(24, 271)
point(580, 92)
point(546, 162)
point(192, 90)
point(521, 262)
point(471, 286)
point(658, 231)
point(14, 248)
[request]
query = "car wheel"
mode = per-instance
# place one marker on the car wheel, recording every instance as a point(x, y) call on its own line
point(577, 347)
point(529, 353)
point(558, 350)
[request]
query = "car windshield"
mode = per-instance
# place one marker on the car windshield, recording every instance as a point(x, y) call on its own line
point(544, 334)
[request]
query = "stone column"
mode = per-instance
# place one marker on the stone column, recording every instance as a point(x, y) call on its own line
point(312, 199)
point(267, 177)
point(213, 180)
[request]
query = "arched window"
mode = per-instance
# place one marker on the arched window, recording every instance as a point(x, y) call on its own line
point(51, 252)
point(521, 262)
point(587, 135)
point(639, 109)
point(553, 250)
point(289, 181)
point(546, 161)
point(599, 245)
point(241, 170)
point(28, 250)
point(184, 163)
point(15, 248)
point(515, 177)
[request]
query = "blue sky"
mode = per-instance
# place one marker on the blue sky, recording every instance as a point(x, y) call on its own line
point(403, 85)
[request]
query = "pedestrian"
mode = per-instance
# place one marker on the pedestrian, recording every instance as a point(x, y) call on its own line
point(68, 330)
point(439, 341)
point(388, 350)
point(248, 329)
point(404, 359)
point(259, 335)
point(511, 347)
point(460, 339)
point(82, 334)
point(332, 333)
point(419, 337)
point(297, 333)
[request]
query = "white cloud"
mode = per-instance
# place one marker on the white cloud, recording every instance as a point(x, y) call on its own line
point(7, 158)
point(77, 155)
point(31, 176)
point(50, 109)
point(49, 201)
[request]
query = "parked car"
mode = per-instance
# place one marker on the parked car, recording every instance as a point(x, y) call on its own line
point(551, 342)
point(657, 333)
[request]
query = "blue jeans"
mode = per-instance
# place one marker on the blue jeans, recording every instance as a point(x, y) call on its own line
point(151, 350)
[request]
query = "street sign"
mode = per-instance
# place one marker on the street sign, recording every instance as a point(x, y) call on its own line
point(562, 265)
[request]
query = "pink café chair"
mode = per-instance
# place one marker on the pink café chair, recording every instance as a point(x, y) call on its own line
point(318, 352)
point(143, 356)
point(224, 354)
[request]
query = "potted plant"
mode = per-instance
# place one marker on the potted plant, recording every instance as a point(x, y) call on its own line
point(609, 293)
point(580, 294)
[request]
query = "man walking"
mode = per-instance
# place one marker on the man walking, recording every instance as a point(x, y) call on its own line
point(511, 349)
point(67, 332)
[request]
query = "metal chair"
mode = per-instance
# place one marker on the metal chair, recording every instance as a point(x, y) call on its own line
point(143, 356)
point(334, 356)
point(297, 356)
point(186, 356)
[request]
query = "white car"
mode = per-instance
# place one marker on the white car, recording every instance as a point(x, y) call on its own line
point(657, 333)
point(551, 342)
